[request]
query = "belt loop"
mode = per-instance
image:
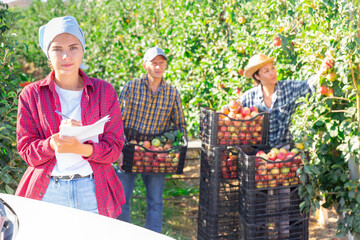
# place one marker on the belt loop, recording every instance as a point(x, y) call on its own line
point(91, 176)
point(56, 184)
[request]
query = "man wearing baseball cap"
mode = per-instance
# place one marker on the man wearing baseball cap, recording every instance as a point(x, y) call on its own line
point(149, 105)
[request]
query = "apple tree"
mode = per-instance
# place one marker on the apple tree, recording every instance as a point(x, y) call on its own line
point(328, 122)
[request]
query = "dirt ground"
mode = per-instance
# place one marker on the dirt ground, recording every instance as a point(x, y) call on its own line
point(192, 169)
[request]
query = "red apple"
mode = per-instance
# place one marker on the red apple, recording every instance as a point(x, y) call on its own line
point(167, 146)
point(227, 135)
point(254, 109)
point(262, 170)
point(277, 41)
point(278, 163)
point(281, 156)
point(271, 156)
point(223, 128)
point(330, 92)
point(293, 168)
point(272, 183)
point(323, 90)
point(270, 165)
point(146, 144)
point(220, 135)
point(290, 155)
point(283, 150)
point(234, 106)
point(261, 154)
point(245, 111)
point(253, 114)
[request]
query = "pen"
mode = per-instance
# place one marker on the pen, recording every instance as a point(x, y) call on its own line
point(62, 114)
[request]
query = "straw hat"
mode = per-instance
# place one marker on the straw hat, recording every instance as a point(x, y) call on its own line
point(255, 63)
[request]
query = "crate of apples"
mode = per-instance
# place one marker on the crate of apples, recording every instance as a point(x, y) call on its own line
point(158, 155)
point(270, 168)
point(229, 164)
point(234, 124)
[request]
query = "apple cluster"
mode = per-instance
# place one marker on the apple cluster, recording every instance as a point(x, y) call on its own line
point(229, 164)
point(153, 157)
point(239, 125)
point(277, 168)
point(324, 90)
point(331, 76)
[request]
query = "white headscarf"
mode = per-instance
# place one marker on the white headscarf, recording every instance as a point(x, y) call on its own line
point(56, 26)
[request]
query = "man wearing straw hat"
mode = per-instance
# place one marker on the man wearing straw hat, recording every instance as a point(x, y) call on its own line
point(277, 97)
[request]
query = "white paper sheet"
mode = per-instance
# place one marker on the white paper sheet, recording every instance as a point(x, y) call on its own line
point(83, 134)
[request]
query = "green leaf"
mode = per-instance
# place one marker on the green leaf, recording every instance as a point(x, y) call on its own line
point(316, 170)
point(9, 190)
point(351, 194)
point(309, 188)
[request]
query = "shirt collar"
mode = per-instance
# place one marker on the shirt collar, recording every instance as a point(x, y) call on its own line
point(144, 81)
point(49, 80)
point(259, 91)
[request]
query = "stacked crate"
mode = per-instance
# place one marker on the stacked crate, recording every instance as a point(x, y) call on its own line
point(218, 216)
point(269, 202)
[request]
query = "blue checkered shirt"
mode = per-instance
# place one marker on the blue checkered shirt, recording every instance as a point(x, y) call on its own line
point(283, 102)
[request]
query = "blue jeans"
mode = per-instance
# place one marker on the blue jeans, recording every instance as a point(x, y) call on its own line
point(154, 184)
point(78, 193)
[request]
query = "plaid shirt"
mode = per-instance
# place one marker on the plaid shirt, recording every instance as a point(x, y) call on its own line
point(37, 122)
point(151, 113)
point(283, 102)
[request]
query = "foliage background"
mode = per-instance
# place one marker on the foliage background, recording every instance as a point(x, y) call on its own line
point(208, 45)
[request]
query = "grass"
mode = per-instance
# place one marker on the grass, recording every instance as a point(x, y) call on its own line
point(179, 215)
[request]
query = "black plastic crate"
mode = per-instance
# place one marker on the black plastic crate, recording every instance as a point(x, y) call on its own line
point(220, 159)
point(290, 229)
point(217, 129)
point(213, 226)
point(138, 159)
point(218, 194)
point(267, 205)
point(256, 172)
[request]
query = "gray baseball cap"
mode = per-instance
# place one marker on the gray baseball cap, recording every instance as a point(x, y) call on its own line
point(151, 53)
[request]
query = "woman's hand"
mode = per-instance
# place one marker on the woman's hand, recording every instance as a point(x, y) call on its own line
point(70, 122)
point(120, 161)
point(64, 144)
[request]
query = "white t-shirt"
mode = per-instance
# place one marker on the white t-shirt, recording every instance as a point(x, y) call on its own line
point(71, 107)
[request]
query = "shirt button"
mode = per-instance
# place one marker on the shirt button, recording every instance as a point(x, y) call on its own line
point(40, 194)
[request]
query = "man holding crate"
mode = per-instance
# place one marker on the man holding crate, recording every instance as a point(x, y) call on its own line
point(151, 106)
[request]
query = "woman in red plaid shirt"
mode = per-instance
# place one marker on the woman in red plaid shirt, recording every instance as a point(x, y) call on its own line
point(62, 169)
